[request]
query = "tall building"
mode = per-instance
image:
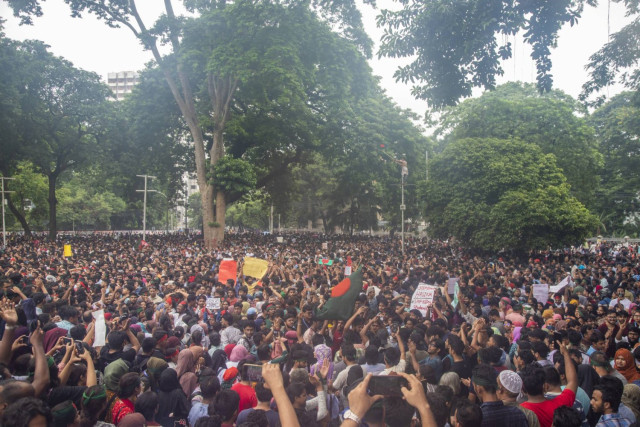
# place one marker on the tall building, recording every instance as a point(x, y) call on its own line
point(121, 83)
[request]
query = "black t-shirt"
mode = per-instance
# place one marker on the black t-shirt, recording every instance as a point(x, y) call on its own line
point(106, 357)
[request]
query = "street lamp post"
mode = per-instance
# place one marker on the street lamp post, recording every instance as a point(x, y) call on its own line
point(4, 230)
point(144, 206)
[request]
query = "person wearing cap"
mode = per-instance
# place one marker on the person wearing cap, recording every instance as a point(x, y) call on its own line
point(494, 412)
point(509, 390)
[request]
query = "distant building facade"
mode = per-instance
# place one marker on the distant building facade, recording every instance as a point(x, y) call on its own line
point(122, 83)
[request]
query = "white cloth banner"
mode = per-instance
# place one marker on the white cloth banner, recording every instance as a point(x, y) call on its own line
point(100, 329)
point(566, 281)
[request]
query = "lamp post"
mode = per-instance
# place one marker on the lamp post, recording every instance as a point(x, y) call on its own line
point(144, 206)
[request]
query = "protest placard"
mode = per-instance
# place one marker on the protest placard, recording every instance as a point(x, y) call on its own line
point(100, 328)
point(213, 304)
point(347, 270)
point(255, 267)
point(280, 239)
point(325, 245)
point(541, 292)
point(423, 298)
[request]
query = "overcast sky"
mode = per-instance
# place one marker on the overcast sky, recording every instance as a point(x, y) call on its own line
point(91, 45)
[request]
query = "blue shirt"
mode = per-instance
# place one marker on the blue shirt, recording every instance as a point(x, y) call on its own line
point(613, 420)
point(198, 410)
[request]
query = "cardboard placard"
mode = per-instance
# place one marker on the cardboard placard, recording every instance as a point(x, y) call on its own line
point(347, 270)
point(213, 304)
point(67, 251)
point(423, 297)
point(541, 292)
point(255, 267)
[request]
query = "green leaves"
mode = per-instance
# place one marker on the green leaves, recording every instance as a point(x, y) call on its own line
point(233, 176)
point(495, 194)
point(457, 45)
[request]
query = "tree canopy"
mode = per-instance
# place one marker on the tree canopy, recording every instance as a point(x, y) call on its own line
point(495, 194)
point(553, 121)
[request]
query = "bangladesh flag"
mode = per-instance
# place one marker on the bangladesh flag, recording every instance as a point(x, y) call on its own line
point(343, 299)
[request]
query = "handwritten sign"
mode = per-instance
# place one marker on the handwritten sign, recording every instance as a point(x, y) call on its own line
point(347, 270)
point(213, 304)
point(541, 292)
point(280, 239)
point(325, 246)
point(423, 297)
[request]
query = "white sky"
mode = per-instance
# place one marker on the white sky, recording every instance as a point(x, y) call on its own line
point(91, 45)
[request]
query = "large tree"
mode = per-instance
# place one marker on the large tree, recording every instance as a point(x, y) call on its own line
point(617, 125)
point(230, 64)
point(495, 194)
point(56, 116)
point(553, 121)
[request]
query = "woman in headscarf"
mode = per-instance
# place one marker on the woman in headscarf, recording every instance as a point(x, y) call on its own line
point(626, 365)
point(186, 368)
point(322, 352)
point(112, 374)
point(173, 403)
point(155, 367)
point(51, 338)
point(238, 353)
point(631, 399)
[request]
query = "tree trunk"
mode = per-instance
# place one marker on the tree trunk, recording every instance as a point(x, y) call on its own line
point(53, 204)
point(221, 211)
point(20, 217)
point(208, 217)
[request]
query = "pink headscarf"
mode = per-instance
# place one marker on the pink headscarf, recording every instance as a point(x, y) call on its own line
point(239, 353)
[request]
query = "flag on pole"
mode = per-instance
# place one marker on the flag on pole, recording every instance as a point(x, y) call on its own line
point(343, 298)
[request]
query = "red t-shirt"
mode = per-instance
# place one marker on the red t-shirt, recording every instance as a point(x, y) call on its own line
point(544, 410)
point(247, 395)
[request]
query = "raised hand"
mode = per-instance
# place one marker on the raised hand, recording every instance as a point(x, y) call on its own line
point(8, 312)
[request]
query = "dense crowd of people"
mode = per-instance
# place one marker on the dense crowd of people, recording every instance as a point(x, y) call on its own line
point(125, 334)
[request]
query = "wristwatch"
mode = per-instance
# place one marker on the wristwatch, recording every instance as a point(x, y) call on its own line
point(348, 415)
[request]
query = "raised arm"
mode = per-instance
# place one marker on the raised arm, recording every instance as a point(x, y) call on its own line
point(273, 377)
point(41, 377)
point(10, 316)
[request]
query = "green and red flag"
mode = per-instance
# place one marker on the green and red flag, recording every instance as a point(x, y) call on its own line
point(343, 299)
